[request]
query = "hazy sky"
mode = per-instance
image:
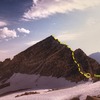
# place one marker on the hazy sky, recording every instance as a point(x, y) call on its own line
point(25, 22)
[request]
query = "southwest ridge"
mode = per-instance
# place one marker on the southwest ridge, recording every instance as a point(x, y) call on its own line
point(87, 75)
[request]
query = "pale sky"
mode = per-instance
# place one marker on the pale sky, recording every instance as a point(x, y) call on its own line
point(25, 22)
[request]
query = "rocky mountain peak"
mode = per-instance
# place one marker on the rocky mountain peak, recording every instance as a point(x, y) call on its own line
point(47, 59)
point(50, 58)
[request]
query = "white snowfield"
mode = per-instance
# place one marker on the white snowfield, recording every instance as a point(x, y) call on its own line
point(24, 81)
point(81, 90)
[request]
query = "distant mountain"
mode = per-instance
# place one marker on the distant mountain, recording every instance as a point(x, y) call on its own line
point(47, 64)
point(96, 56)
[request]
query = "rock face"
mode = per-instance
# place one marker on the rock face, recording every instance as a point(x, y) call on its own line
point(49, 58)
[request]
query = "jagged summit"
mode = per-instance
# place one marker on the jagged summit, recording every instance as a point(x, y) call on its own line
point(46, 43)
point(47, 57)
point(79, 51)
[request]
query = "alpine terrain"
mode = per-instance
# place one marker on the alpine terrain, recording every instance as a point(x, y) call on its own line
point(46, 65)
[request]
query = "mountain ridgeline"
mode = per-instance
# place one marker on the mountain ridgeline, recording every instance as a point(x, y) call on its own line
point(49, 58)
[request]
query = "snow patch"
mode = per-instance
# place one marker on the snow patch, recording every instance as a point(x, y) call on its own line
point(81, 90)
point(24, 81)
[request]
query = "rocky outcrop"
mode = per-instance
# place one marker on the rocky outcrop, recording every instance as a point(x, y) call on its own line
point(87, 64)
point(92, 98)
point(4, 70)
